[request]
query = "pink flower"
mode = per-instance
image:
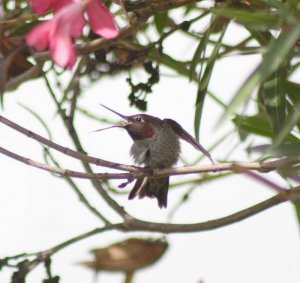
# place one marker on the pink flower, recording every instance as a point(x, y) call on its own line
point(67, 23)
point(100, 19)
point(40, 7)
point(58, 33)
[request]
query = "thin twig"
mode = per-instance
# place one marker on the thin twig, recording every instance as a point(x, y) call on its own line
point(16, 21)
point(265, 181)
point(138, 225)
point(152, 7)
point(73, 134)
point(138, 171)
point(268, 166)
point(65, 150)
point(80, 195)
point(41, 257)
point(75, 94)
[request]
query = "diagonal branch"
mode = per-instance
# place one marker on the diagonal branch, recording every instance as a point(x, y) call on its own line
point(73, 134)
point(65, 150)
point(138, 225)
point(78, 192)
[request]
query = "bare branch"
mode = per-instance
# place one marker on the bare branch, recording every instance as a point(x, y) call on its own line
point(17, 21)
point(271, 165)
point(80, 195)
point(134, 171)
point(138, 225)
point(152, 7)
point(41, 257)
point(33, 72)
point(65, 150)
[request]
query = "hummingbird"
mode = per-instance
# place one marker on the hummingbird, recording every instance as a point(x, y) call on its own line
point(155, 145)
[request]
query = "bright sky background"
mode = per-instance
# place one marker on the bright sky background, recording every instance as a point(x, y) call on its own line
point(38, 211)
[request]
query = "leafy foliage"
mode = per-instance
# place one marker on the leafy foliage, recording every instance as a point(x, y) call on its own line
point(274, 34)
point(273, 88)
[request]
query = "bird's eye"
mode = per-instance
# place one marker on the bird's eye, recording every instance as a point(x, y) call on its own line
point(138, 119)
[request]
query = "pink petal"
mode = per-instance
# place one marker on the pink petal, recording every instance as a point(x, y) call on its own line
point(62, 51)
point(71, 18)
point(42, 6)
point(38, 37)
point(61, 3)
point(58, 33)
point(67, 23)
point(101, 21)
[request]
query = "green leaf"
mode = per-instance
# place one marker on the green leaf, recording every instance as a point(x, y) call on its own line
point(272, 60)
point(160, 21)
point(217, 100)
point(188, 9)
point(294, 6)
point(288, 126)
point(258, 125)
point(262, 37)
point(284, 150)
point(259, 20)
point(176, 65)
point(204, 81)
point(199, 54)
point(297, 210)
point(293, 90)
point(291, 149)
point(274, 95)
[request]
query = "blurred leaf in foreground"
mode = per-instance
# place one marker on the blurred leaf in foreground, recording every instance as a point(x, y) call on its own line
point(127, 256)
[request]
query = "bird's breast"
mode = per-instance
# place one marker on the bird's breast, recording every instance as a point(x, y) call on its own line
point(160, 151)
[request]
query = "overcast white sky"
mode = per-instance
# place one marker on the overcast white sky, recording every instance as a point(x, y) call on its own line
point(38, 210)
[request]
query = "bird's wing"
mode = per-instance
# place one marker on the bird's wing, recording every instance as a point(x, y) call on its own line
point(182, 133)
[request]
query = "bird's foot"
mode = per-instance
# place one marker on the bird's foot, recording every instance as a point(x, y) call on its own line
point(148, 170)
point(123, 185)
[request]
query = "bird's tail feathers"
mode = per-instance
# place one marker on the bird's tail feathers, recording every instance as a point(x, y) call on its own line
point(152, 188)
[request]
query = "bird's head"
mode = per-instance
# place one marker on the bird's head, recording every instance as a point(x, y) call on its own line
point(139, 126)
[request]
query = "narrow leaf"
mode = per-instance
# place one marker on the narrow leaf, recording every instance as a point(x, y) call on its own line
point(297, 210)
point(260, 20)
point(176, 65)
point(292, 149)
point(160, 21)
point(274, 95)
point(288, 126)
point(39, 118)
point(204, 81)
point(258, 125)
point(200, 50)
point(272, 60)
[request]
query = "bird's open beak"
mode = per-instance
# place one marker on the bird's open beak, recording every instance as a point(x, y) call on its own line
point(126, 118)
point(121, 124)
